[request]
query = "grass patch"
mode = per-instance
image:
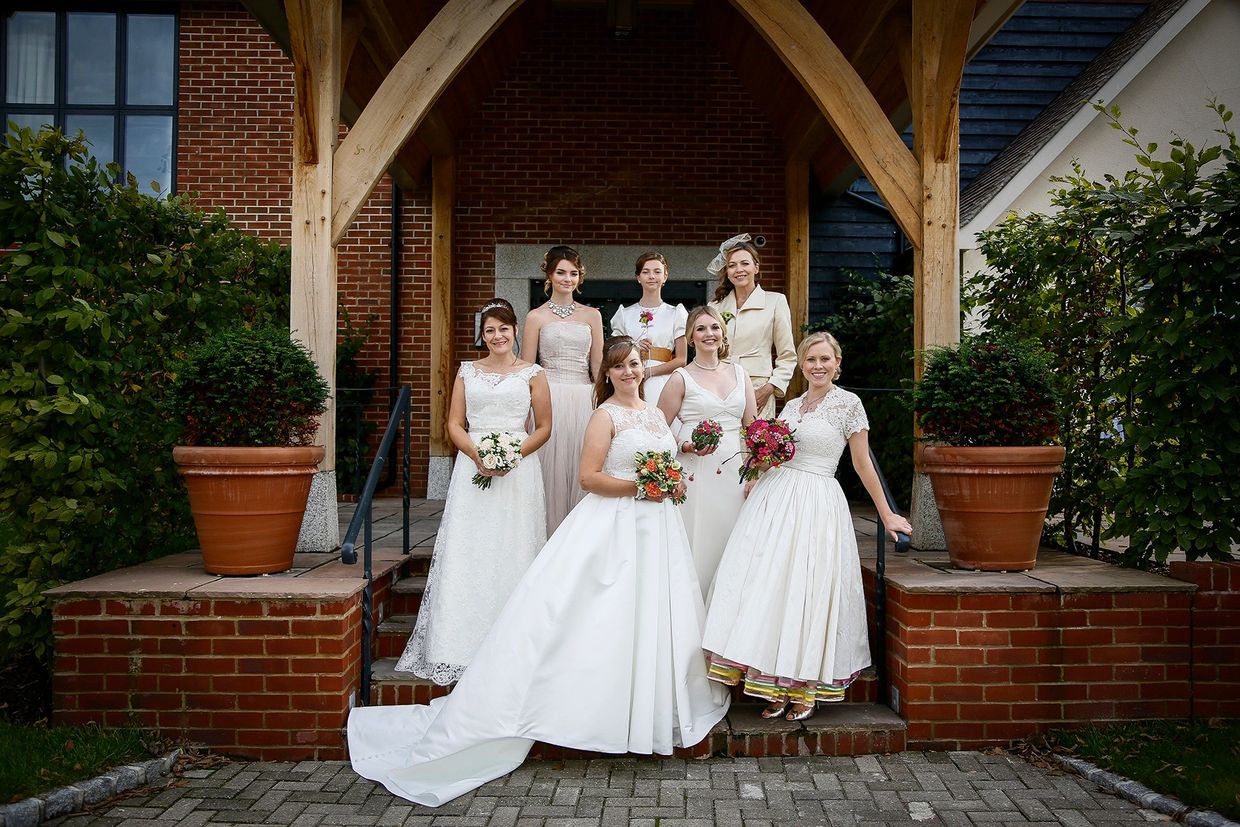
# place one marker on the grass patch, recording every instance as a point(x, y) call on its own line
point(1195, 761)
point(37, 758)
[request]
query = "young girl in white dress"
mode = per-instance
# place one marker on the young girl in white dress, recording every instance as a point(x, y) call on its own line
point(709, 387)
point(566, 338)
point(656, 326)
point(599, 647)
point(787, 609)
point(487, 538)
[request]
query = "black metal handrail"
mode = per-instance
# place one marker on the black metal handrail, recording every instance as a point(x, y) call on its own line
point(880, 582)
point(362, 519)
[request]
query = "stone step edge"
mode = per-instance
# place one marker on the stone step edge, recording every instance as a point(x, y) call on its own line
point(77, 796)
point(1141, 795)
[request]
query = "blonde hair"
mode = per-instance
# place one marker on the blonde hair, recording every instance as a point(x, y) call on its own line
point(817, 339)
point(707, 310)
point(725, 287)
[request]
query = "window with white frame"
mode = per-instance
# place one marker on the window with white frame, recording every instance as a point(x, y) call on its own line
point(108, 74)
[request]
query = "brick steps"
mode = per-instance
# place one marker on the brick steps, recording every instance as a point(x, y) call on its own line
point(850, 728)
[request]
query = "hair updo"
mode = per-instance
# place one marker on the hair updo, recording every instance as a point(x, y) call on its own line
point(707, 310)
point(558, 253)
point(615, 350)
point(499, 310)
point(651, 256)
point(817, 339)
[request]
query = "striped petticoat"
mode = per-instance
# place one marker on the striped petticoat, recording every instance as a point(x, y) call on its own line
point(774, 688)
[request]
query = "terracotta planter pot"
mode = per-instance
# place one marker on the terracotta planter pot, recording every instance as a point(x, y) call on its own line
point(248, 504)
point(993, 502)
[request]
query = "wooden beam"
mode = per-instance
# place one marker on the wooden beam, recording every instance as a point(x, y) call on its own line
point(314, 35)
point(443, 200)
point(406, 95)
point(842, 96)
point(796, 184)
point(940, 40)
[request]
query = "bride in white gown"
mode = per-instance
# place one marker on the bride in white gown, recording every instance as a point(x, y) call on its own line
point(599, 647)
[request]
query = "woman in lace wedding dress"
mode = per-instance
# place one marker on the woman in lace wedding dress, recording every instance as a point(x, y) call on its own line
point(487, 538)
point(656, 326)
point(599, 647)
point(566, 338)
point(709, 387)
point(787, 609)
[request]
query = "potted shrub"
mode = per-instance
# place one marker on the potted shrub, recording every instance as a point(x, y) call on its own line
point(249, 400)
point(988, 408)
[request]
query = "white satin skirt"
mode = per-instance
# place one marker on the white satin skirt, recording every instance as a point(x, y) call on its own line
point(598, 649)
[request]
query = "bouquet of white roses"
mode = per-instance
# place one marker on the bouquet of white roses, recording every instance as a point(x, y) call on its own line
point(497, 452)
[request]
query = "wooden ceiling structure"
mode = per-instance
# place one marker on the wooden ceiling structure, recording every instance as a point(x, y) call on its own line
point(836, 79)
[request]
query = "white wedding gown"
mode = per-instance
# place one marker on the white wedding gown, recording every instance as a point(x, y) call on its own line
point(487, 538)
point(599, 649)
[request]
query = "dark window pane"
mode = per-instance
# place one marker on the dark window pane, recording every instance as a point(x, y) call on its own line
point(148, 150)
point(33, 122)
point(91, 47)
point(100, 134)
point(31, 64)
point(149, 65)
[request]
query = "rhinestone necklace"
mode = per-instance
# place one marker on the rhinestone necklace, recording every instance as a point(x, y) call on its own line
point(561, 310)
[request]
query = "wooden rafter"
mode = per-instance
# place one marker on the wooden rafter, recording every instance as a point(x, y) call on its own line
point(405, 97)
point(842, 97)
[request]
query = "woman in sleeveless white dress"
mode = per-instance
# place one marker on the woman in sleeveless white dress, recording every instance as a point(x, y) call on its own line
point(566, 338)
point(487, 538)
point(787, 609)
point(715, 491)
point(662, 336)
point(598, 648)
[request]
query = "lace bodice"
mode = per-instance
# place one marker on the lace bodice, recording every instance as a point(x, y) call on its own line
point(497, 401)
point(823, 433)
point(636, 431)
point(700, 403)
point(564, 351)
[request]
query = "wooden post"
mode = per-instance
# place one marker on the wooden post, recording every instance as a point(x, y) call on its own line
point(443, 198)
point(940, 38)
point(314, 30)
point(796, 185)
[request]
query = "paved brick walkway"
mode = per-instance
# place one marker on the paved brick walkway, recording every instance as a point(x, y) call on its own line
point(923, 789)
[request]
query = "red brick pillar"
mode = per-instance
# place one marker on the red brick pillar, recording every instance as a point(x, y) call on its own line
point(1215, 619)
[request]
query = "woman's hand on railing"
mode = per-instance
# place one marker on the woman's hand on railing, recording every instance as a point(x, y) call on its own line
point(895, 525)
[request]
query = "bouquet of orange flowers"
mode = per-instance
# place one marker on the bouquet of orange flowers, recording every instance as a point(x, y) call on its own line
point(769, 442)
point(658, 473)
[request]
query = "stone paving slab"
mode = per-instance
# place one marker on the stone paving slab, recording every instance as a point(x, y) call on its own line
point(902, 790)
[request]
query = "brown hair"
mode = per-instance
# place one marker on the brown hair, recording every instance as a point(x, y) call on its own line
point(707, 310)
point(615, 350)
point(817, 339)
point(558, 253)
point(498, 309)
point(651, 256)
point(725, 287)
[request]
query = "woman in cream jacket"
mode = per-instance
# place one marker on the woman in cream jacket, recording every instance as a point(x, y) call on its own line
point(759, 322)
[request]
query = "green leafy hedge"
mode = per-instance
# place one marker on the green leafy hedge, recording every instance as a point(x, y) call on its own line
point(102, 288)
point(1132, 286)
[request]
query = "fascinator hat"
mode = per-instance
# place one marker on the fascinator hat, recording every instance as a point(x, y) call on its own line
point(720, 261)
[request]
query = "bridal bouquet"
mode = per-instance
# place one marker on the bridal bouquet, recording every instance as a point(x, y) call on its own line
point(497, 452)
point(706, 435)
point(769, 442)
point(658, 473)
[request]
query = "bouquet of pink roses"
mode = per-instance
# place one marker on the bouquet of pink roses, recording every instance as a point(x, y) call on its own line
point(706, 435)
point(497, 452)
point(769, 442)
point(658, 473)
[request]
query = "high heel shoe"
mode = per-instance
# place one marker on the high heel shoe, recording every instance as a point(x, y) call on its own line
point(806, 711)
point(775, 709)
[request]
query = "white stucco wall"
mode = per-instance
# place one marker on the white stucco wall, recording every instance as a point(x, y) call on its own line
point(1166, 97)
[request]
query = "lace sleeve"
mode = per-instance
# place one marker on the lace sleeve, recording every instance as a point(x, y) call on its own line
point(854, 418)
point(530, 371)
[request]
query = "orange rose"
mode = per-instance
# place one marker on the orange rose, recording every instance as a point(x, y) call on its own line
point(652, 466)
point(673, 475)
point(653, 490)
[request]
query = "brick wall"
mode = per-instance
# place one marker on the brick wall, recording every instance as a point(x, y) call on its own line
point(972, 669)
point(268, 679)
point(1215, 636)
